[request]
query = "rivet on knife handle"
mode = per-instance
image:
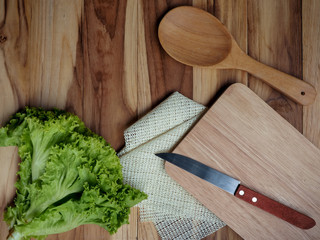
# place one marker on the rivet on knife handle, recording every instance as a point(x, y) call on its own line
point(286, 213)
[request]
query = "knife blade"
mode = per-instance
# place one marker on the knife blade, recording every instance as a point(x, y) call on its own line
point(240, 191)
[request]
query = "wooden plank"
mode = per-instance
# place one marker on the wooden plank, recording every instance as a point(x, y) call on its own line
point(233, 14)
point(206, 81)
point(143, 91)
point(128, 231)
point(311, 67)
point(108, 83)
point(148, 71)
point(157, 74)
point(165, 74)
point(100, 82)
point(147, 231)
point(38, 53)
point(37, 57)
point(9, 165)
point(274, 38)
point(209, 83)
point(262, 150)
point(225, 233)
point(137, 92)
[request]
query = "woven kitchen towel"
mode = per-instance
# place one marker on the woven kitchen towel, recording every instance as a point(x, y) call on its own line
point(175, 213)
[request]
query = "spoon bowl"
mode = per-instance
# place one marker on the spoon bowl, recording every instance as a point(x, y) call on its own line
point(196, 38)
point(185, 41)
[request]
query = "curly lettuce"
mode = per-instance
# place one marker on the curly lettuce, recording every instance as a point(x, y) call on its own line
point(68, 176)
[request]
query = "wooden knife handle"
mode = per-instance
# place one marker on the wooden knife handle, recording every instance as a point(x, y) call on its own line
point(277, 209)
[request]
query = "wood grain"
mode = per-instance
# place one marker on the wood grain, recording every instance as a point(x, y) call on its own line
point(139, 75)
point(102, 80)
point(162, 68)
point(274, 38)
point(212, 82)
point(102, 60)
point(224, 233)
point(38, 54)
point(9, 164)
point(233, 14)
point(311, 67)
point(262, 150)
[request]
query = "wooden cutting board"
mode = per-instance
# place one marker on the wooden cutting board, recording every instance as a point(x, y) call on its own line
point(243, 137)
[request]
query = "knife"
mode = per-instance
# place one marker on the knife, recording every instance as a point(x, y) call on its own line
point(234, 187)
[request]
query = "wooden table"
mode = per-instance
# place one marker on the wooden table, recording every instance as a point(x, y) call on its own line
point(102, 60)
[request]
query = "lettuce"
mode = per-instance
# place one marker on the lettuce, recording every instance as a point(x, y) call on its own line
point(68, 176)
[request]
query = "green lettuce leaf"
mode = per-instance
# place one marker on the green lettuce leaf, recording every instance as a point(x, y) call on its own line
point(94, 207)
point(68, 176)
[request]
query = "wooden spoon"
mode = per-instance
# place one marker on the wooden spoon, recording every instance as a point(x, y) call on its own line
point(195, 37)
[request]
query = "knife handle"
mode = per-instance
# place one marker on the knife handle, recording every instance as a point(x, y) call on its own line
point(275, 208)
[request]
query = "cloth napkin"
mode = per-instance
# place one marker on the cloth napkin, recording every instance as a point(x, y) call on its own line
point(175, 213)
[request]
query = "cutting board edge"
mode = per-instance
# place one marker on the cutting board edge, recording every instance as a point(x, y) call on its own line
point(234, 87)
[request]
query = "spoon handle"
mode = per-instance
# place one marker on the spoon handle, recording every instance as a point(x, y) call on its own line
point(294, 88)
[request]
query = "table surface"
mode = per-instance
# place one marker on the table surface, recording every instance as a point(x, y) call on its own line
point(102, 61)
